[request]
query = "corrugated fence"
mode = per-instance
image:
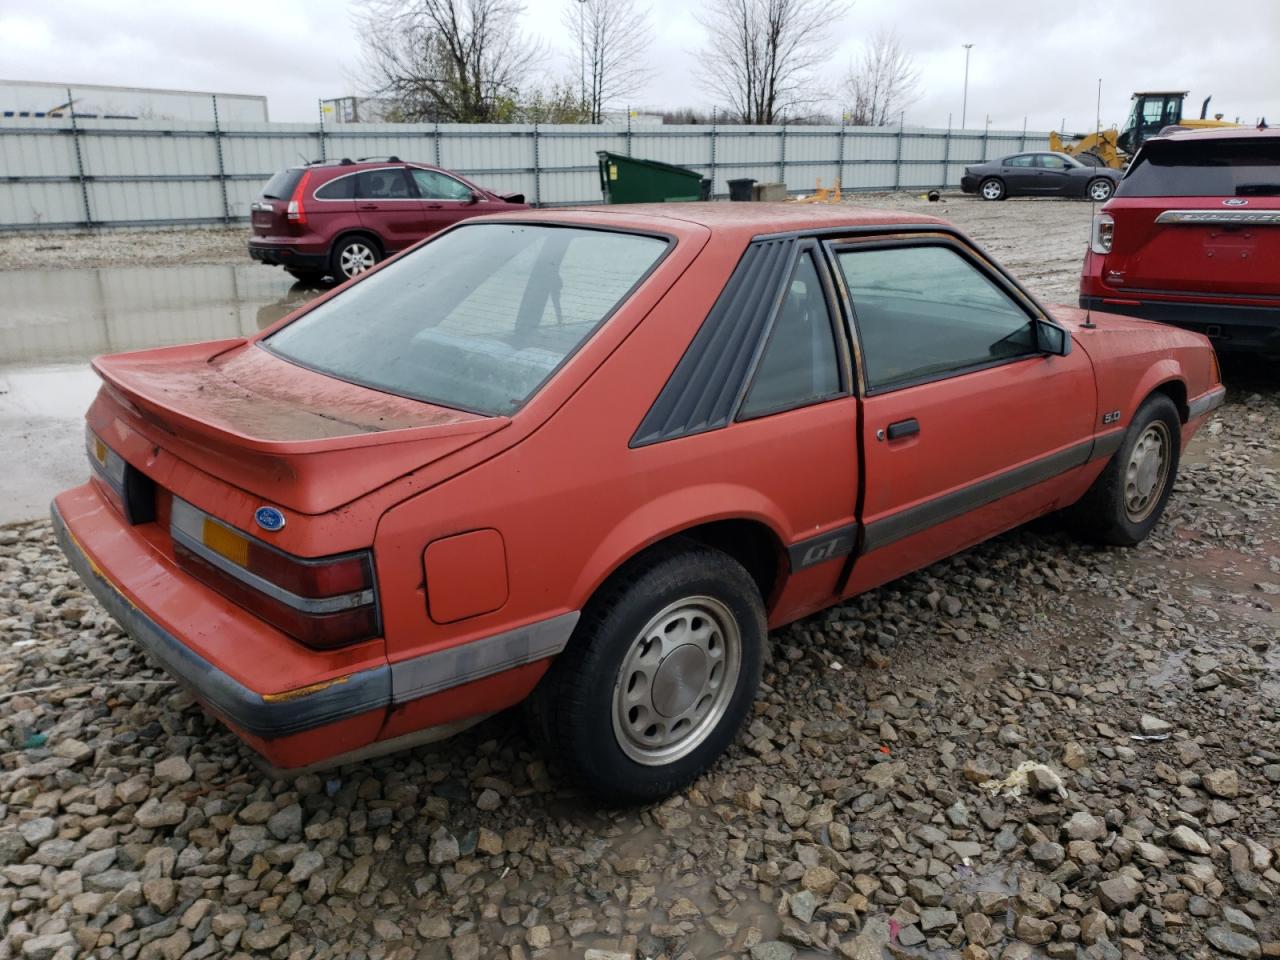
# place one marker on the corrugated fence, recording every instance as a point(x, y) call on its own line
point(69, 172)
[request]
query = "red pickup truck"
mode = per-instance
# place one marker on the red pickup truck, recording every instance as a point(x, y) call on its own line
point(591, 458)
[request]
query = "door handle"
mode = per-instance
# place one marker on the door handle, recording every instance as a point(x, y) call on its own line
point(368, 206)
point(904, 428)
point(435, 206)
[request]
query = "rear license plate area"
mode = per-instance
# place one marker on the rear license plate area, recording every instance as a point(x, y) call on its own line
point(139, 496)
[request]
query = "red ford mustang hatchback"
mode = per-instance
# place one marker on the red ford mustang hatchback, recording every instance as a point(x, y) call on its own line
point(591, 457)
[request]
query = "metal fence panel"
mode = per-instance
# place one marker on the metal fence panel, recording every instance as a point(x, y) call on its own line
point(88, 172)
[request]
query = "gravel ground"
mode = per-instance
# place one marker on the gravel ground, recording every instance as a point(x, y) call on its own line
point(124, 248)
point(1034, 749)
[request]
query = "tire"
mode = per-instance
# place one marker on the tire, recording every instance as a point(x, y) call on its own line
point(1099, 190)
point(1129, 496)
point(622, 708)
point(992, 188)
point(353, 255)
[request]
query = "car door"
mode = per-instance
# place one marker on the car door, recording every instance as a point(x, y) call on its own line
point(1053, 176)
point(1019, 173)
point(968, 426)
point(387, 205)
point(445, 200)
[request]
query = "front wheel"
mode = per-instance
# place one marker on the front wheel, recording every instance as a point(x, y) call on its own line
point(1100, 190)
point(992, 189)
point(1129, 496)
point(658, 677)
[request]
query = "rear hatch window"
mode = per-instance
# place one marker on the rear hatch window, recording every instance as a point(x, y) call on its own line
point(1205, 168)
point(280, 187)
point(477, 319)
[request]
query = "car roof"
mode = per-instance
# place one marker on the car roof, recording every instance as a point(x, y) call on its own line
point(725, 218)
point(1221, 133)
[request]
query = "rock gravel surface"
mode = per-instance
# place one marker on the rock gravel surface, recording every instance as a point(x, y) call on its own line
point(1034, 749)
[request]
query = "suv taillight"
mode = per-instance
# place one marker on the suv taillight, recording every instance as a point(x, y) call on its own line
point(1104, 230)
point(297, 211)
point(325, 603)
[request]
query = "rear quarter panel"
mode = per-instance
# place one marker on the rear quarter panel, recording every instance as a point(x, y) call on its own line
point(573, 501)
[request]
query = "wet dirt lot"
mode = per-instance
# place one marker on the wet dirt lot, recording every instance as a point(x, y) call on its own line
point(856, 816)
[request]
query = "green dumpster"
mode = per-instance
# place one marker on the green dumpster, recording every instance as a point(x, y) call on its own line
point(632, 180)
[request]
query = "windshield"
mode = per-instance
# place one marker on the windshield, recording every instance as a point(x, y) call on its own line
point(477, 319)
point(1205, 168)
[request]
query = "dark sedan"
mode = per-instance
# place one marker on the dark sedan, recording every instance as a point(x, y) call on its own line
point(1039, 175)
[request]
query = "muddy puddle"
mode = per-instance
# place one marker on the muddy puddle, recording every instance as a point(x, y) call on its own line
point(52, 322)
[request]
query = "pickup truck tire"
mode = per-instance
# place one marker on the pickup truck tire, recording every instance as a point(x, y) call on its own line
point(1129, 496)
point(658, 677)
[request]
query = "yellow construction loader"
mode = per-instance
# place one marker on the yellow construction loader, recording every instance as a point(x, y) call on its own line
point(1152, 112)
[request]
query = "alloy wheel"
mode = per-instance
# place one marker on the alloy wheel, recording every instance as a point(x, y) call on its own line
point(356, 258)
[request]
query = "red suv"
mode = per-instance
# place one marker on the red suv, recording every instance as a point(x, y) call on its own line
point(338, 218)
point(1192, 238)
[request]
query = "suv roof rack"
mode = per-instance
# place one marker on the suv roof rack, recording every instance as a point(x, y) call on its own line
point(391, 159)
point(344, 162)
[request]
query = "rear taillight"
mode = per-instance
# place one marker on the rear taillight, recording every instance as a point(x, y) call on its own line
point(108, 466)
point(297, 211)
point(323, 603)
point(1104, 229)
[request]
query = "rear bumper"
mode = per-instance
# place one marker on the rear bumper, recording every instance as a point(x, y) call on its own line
point(1232, 329)
point(261, 715)
point(286, 255)
point(295, 707)
point(969, 184)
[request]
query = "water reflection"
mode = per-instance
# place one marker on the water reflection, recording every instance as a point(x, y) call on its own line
point(75, 314)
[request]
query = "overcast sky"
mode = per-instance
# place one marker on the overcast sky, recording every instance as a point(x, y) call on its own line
point(1038, 59)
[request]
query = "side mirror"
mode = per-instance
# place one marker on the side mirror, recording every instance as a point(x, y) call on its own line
point(1052, 339)
point(475, 198)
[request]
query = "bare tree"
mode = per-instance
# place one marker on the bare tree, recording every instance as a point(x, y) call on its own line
point(762, 53)
point(882, 82)
point(612, 37)
point(452, 60)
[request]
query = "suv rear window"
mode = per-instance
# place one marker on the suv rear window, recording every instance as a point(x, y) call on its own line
point(1205, 168)
point(280, 187)
point(477, 319)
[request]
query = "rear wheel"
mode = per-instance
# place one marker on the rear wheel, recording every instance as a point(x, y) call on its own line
point(659, 676)
point(352, 256)
point(1100, 190)
point(1128, 498)
point(992, 189)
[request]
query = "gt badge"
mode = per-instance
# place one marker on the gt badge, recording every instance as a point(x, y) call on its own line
point(269, 518)
point(1111, 417)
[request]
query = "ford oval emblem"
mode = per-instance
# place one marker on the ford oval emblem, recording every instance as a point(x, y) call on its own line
point(269, 518)
point(1235, 202)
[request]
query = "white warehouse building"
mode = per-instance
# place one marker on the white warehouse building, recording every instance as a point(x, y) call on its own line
point(37, 99)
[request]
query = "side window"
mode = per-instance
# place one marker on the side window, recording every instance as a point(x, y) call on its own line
point(387, 183)
point(1050, 162)
point(436, 186)
point(340, 189)
point(924, 311)
point(798, 365)
point(1026, 160)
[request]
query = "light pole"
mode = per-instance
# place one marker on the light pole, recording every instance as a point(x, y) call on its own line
point(582, 48)
point(964, 109)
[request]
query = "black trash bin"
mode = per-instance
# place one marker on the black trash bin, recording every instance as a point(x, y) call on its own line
point(741, 189)
point(706, 189)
